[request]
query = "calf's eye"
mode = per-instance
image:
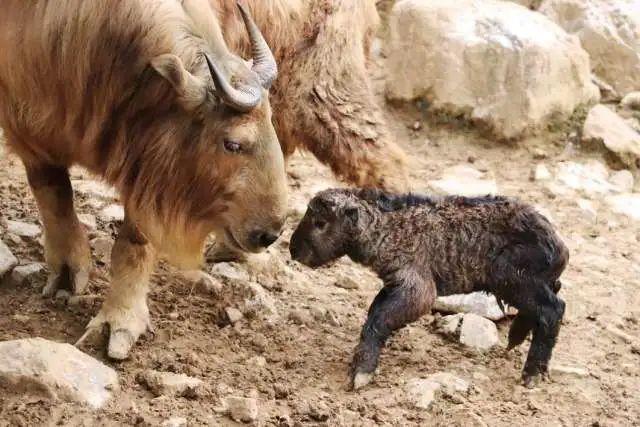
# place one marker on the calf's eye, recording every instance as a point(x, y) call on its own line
point(232, 146)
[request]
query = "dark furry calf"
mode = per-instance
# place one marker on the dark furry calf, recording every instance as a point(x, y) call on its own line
point(422, 247)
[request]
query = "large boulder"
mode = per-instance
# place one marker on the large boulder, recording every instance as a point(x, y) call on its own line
point(494, 62)
point(55, 371)
point(609, 30)
point(7, 259)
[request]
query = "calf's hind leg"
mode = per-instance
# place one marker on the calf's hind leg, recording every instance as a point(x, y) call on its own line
point(66, 246)
point(402, 300)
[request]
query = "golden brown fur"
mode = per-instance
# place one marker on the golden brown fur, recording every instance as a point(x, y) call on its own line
point(322, 49)
point(121, 87)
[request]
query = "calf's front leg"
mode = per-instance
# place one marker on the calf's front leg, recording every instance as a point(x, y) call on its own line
point(125, 308)
point(404, 299)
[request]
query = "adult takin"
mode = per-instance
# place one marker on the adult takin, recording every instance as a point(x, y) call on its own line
point(146, 95)
point(422, 247)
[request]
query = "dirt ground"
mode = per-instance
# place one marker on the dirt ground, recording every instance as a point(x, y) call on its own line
point(295, 364)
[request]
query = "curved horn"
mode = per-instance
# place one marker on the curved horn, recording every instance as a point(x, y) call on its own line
point(264, 64)
point(243, 99)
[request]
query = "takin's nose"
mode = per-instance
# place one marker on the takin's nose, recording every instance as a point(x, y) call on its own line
point(263, 239)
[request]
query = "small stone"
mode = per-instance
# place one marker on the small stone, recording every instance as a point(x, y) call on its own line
point(464, 180)
point(417, 125)
point(20, 318)
point(539, 154)
point(112, 213)
point(480, 303)
point(233, 314)
point(450, 382)
point(450, 325)
point(173, 315)
point(541, 173)
point(588, 209)
point(230, 272)
point(622, 180)
point(23, 229)
point(347, 283)
point(572, 371)
point(102, 247)
point(242, 409)
point(260, 303)
point(421, 393)
point(319, 411)
point(318, 313)
point(478, 332)
point(55, 371)
point(88, 221)
point(170, 384)
point(175, 422)
point(300, 317)
point(625, 204)
point(631, 101)
point(26, 273)
point(258, 361)
point(203, 282)
point(604, 125)
point(7, 260)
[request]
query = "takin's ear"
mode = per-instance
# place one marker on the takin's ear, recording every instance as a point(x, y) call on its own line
point(191, 90)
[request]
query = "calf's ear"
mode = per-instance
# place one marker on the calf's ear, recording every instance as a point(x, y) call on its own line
point(191, 90)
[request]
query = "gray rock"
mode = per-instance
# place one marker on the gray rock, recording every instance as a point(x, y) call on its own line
point(170, 384)
point(7, 260)
point(606, 126)
point(625, 204)
point(242, 409)
point(450, 325)
point(622, 180)
point(478, 332)
point(112, 213)
point(588, 209)
point(631, 101)
point(347, 283)
point(464, 180)
point(541, 173)
point(26, 273)
point(23, 229)
point(480, 303)
point(261, 303)
point(230, 272)
point(421, 393)
point(592, 178)
point(233, 314)
point(175, 422)
point(35, 366)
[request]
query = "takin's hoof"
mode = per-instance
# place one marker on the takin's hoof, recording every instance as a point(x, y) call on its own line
point(66, 279)
point(531, 381)
point(361, 379)
point(125, 327)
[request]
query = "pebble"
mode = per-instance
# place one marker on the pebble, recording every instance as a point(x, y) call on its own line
point(347, 283)
point(7, 259)
point(175, 422)
point(23, 229)
point(478, 332)
point(26, 273)
point(242, 409)
point(233, 314)
point(170, 384)
point(112, 213)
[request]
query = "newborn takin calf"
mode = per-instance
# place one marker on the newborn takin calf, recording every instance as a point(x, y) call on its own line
point(422, 247)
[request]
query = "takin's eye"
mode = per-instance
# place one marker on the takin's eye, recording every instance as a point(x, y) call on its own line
point(232, 146)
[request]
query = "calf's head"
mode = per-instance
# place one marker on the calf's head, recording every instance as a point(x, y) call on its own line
point(329, 228)
point(229, 175)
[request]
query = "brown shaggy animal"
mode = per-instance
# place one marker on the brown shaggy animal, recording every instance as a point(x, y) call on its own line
point(323, 99)
point(145, 94)
point(422, 247)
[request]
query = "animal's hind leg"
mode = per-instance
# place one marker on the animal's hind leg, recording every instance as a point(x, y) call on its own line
point(396, 305)
point(125, 308)
point(66, 246)
point(538, 308)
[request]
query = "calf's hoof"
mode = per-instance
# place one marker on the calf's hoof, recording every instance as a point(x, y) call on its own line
point(68, 279)
point(533, 379)
point(361, 379)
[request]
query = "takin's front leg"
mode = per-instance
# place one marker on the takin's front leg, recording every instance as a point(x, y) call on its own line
point(125, 308)
point(403, 300)
point(66, 247)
